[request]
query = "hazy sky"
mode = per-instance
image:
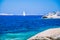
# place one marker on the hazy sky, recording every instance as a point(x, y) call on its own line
point(32, 7)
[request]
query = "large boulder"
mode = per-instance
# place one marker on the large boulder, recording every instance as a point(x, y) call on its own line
point(50, 34)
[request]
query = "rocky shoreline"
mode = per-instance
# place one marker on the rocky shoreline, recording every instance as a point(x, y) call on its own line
point(50, 34)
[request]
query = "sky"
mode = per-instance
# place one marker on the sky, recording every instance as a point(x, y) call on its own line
point(31, 7)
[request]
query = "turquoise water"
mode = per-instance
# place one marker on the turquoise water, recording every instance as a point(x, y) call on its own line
point(24, 27)
point(17, 36)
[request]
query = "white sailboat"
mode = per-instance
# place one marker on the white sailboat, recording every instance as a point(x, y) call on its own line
point(24, 14)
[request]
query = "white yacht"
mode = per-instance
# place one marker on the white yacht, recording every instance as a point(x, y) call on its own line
point(24, 14)
point(52, 15)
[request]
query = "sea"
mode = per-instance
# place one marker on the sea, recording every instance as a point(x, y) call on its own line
point(23, 27)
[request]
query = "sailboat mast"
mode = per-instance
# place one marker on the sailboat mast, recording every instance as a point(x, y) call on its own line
point(24, 13)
